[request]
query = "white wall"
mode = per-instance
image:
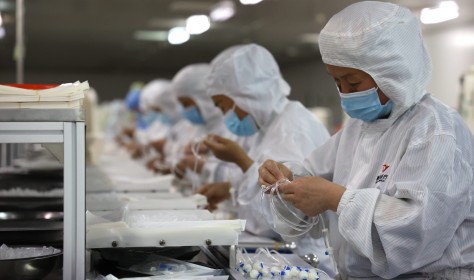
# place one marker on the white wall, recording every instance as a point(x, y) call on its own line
point(452, 53)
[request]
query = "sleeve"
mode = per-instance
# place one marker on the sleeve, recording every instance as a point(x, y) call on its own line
point(414, 223)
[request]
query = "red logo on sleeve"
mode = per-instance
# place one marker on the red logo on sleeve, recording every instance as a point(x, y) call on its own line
point(385, 167)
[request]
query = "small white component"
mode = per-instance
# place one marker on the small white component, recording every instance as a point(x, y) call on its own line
point(265, 271)
point(303, 275)
point(247, 268)
point(254, 274)
point(258, 266)
point(294, 272)
point(275, 270)
point(313, 275)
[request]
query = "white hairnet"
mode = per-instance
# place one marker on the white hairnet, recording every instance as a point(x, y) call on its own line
point(150, 92)
point(251, 77)
point(383, 40)
point(191, 82)
point(158, 93)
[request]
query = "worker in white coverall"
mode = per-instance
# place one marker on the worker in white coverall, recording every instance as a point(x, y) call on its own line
point(163, 101)
point(396, 183)
point(159, 123)
point(156, 102)
point(246, 84)
point(197, 107)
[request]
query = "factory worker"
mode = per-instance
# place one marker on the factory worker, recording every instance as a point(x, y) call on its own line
point(246, 84)
point(134, 136)
point(177, 131)
point(396, 183)
point(158, 122)
point(189, 85)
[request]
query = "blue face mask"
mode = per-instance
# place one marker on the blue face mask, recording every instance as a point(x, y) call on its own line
point(155, 116)
point(142, 121)
point(149, 118)
point(365, 105)
point(193, 115)
point(245, 127)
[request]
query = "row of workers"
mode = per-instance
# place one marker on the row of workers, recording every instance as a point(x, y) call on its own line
point(394, 186)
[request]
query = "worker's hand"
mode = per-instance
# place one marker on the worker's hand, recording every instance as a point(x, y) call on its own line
point(191, 162)
point(158, 145)
point(227, 150)
point(135, 150)
point(128, 131)
point(215, 193)
point(312, 195)
point(271, 172)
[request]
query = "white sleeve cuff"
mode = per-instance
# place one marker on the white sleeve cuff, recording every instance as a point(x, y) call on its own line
point(345, 199)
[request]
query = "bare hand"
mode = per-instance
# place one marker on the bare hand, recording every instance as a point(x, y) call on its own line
point(215, 193)
point(271, 172)
point(191, 162)
point(227, 150)
point(158, 145)
point(312, 195)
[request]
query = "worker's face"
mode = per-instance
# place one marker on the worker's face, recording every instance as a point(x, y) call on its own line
point(226, 104)
point(155, 109)
point(186, 102)
point(350, 80)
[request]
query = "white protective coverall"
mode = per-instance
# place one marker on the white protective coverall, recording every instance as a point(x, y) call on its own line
point(191, 81)
point(151, 92)
point(250, 76)
point(181, 131)
point(408, 209)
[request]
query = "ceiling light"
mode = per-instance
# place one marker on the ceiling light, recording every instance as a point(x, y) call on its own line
point(151, 35)
point(197, 24)
point(446, 10)
point(178, 35)
point(1, 19)
point(250, 2)
point(222, 11)
point(2, 32)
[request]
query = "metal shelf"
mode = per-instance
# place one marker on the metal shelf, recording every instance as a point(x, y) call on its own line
point(71, 134)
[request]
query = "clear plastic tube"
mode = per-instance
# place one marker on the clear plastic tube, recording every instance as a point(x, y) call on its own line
point(205, 158)
point(289, 215)
point(329, 249)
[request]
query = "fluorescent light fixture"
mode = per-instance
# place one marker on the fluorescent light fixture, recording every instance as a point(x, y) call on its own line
point(250, 2)
point(2, 32)
point(222, 11)
point(178, 36)
point(446, 10)
point(1, 19)
point(151, 35)
point(197, 24)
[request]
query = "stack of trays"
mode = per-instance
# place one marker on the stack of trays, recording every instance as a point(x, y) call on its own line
point(27, 96)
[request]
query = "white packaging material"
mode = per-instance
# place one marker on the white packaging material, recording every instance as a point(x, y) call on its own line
point(8, 253)
point(147, 218)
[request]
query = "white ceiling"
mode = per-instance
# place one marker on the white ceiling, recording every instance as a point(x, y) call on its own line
point(98, 35)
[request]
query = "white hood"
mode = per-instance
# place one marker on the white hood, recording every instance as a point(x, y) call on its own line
point(251, 77)
point(157, 93)
point(191, 82)
point(387, 44)
point(151, 91)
